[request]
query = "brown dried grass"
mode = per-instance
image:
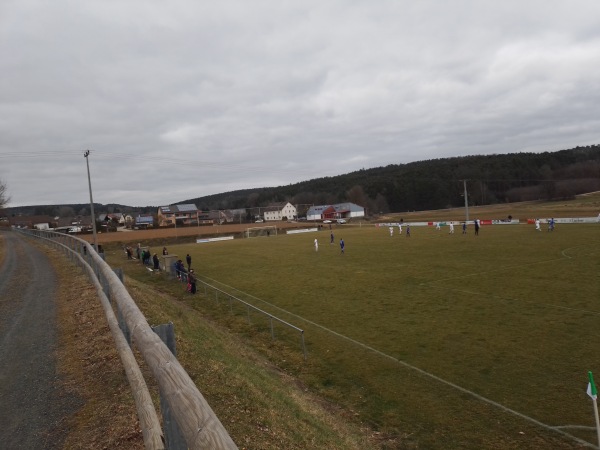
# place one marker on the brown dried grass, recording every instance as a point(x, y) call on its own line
point(91, 369)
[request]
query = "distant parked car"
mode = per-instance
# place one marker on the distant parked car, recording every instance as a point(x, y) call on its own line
point(327, 221)
point(258, 221)
point(341, 221)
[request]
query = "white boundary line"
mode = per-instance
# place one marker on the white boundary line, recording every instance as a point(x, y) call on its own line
point(556, 429)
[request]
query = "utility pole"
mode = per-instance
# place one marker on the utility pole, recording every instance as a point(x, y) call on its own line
point(85, 155)
point(466, 201)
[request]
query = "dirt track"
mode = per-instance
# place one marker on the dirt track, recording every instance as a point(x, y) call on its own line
point(174, 233)
point(33, 406)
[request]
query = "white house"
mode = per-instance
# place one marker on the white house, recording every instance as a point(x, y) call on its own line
point(338, 211)
point(278, 211)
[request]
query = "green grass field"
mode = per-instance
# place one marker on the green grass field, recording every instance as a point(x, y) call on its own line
point(445, 341)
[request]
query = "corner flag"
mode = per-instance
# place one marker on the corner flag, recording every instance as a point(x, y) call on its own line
point(591, 389)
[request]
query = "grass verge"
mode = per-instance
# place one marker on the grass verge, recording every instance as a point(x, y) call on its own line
point(261, 405)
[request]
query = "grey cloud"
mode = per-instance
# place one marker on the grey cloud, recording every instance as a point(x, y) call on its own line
point(184, 99)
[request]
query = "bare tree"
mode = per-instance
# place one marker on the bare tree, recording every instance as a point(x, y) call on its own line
point(4, 198)
point(66, 211)
point(381, 204)
point(357, 195)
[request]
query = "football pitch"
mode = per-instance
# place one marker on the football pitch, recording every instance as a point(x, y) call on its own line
point(455, 341)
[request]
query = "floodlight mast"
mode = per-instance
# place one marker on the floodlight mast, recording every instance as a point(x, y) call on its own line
point(466, 201)
point(85, 155)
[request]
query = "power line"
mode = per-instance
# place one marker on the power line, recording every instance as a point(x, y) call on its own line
point(244, 166)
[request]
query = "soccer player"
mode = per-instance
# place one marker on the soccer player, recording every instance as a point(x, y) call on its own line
point(451, 224)
point(437, 226)
point(537, 225)
point(464, 228)
point(391, 231)
point(342, 246)
point(316, 245)
point(331, 241)
point(400, 228)
point(407, 230)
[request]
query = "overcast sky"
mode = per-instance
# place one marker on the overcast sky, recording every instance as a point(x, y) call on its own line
point(182, 99)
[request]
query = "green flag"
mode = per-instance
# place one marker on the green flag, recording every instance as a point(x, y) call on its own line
point(591, 389)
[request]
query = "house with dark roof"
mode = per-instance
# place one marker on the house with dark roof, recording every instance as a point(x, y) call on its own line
point(144, 221)
point(214, 217)
point(177, 215)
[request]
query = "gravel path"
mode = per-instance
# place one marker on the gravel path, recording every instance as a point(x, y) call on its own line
point(33, 408)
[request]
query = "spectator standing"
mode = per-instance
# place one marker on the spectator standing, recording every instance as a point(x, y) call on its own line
point(188, 260)
point(165, 252)
point(192, 281)
point(156, 262)
point(178, 268)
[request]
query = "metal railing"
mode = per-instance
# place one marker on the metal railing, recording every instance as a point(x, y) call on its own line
point(249, 308)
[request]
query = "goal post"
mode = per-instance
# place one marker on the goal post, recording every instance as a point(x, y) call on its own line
point(270, 230)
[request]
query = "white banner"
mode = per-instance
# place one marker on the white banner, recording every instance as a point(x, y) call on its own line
point(204, 241)
point(302, 230)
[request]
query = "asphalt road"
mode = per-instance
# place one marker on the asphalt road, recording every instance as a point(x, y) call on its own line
point(33, 407)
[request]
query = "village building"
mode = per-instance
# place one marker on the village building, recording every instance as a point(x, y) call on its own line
point(214, 217)
point(144, 221)
point(279, 211)
point(37, 222)
point(338, 211)
point(177, 215)
point(117, 218)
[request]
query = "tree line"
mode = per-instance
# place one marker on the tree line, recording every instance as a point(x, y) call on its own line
point(435, 184)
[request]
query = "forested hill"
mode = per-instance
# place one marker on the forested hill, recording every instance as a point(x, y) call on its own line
point(422, 185)
point(438, 183)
